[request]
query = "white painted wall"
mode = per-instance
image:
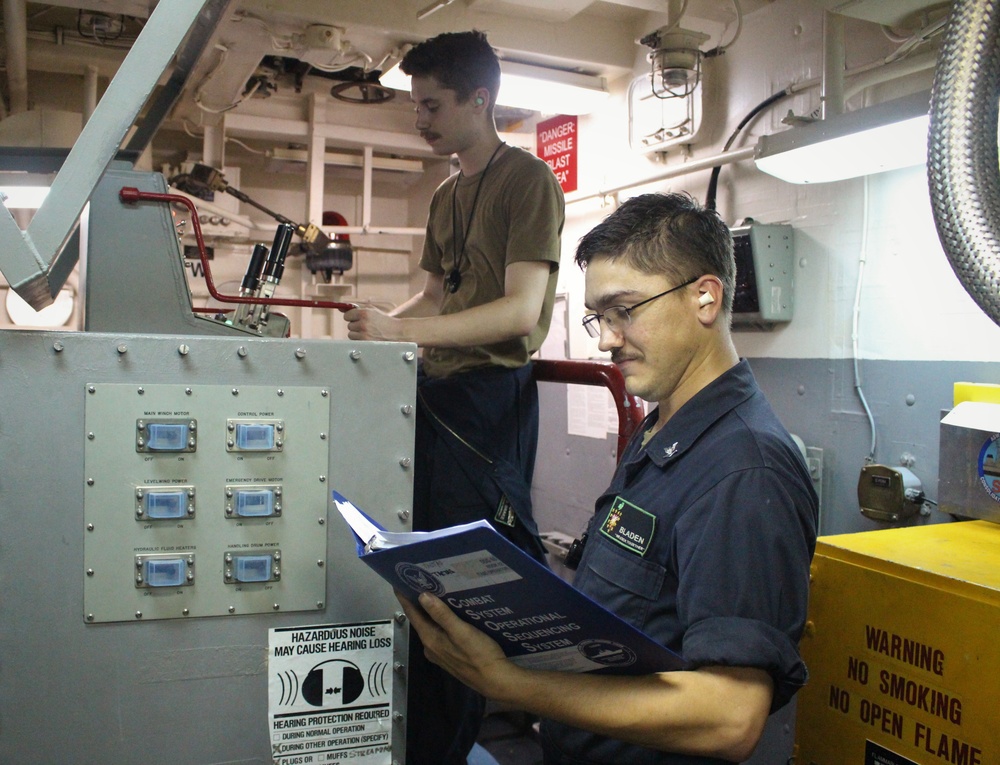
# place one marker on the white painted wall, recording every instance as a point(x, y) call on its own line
point(912, 306)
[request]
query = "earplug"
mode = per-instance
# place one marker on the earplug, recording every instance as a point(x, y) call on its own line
point(706, 298)
point(479, 101)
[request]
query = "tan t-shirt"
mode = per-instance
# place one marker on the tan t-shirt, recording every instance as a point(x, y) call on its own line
point(518, 217)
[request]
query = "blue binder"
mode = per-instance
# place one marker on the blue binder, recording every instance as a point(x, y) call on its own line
point(539, 620)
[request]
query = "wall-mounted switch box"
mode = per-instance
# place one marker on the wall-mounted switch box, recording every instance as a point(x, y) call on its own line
point(764, 275)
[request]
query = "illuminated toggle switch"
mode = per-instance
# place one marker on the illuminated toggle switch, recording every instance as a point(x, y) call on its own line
point(164, 570)
point(255, 435)
point(252, 568)
point(164, 503)
point(257, 501)
point(254, 503)
point(166, 436)
point(167, 504)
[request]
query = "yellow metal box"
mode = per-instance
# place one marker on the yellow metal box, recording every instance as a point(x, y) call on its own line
point(903, 648)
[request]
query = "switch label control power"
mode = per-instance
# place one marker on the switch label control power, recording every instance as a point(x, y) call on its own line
point(255, 435)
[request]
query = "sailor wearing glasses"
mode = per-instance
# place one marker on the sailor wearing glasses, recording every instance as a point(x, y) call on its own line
point(704, 538)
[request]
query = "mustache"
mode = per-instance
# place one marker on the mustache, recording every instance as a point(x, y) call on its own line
point(620, 354)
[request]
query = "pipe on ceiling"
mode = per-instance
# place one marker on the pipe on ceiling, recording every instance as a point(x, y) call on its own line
point(962, 158)
point(15, 23)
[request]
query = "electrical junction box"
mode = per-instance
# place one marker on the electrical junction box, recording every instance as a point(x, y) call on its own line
point(902, 650)
point(887, 493)
point(969, 461)
point(764, 275)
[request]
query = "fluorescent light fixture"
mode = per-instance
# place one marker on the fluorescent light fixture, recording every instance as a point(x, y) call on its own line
point(538, 88)
point(887, 136)
point(23, 197)
point(432, 8)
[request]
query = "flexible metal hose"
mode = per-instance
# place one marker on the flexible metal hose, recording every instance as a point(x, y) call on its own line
point(962, 163)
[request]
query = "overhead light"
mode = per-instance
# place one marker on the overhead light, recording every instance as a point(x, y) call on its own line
point(538, 88)
point(23, 197)
point(432, 8)
point(675, 61)
point(888, 136)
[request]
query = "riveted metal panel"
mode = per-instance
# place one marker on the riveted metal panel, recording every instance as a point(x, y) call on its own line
point(192, 689)
point(118, 466)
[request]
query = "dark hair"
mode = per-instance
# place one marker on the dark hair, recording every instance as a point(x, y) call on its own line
point(669, 234)
point(459, 61)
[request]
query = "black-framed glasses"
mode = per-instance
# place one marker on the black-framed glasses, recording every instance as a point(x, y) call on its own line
point(618, 317)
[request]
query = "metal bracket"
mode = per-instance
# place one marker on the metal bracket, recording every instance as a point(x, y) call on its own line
point(33, 261)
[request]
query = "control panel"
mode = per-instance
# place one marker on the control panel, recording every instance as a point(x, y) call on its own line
point(204, 500)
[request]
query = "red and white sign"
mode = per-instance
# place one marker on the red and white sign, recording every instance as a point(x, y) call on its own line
point(556, 142)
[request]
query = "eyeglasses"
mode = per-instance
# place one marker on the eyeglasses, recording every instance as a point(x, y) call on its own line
point(618, 317)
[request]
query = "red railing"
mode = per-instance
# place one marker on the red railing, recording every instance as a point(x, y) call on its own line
point(630, 412)
point(132, 195)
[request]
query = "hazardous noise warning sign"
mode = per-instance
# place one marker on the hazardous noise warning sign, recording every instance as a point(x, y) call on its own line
point(330, 694)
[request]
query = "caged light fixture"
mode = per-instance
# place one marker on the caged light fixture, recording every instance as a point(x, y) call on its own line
point(676, 57)
point(675, 61)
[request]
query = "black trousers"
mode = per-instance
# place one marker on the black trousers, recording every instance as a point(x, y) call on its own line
point(476, 436)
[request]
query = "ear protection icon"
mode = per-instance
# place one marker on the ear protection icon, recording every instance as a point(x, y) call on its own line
point(706, 298)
